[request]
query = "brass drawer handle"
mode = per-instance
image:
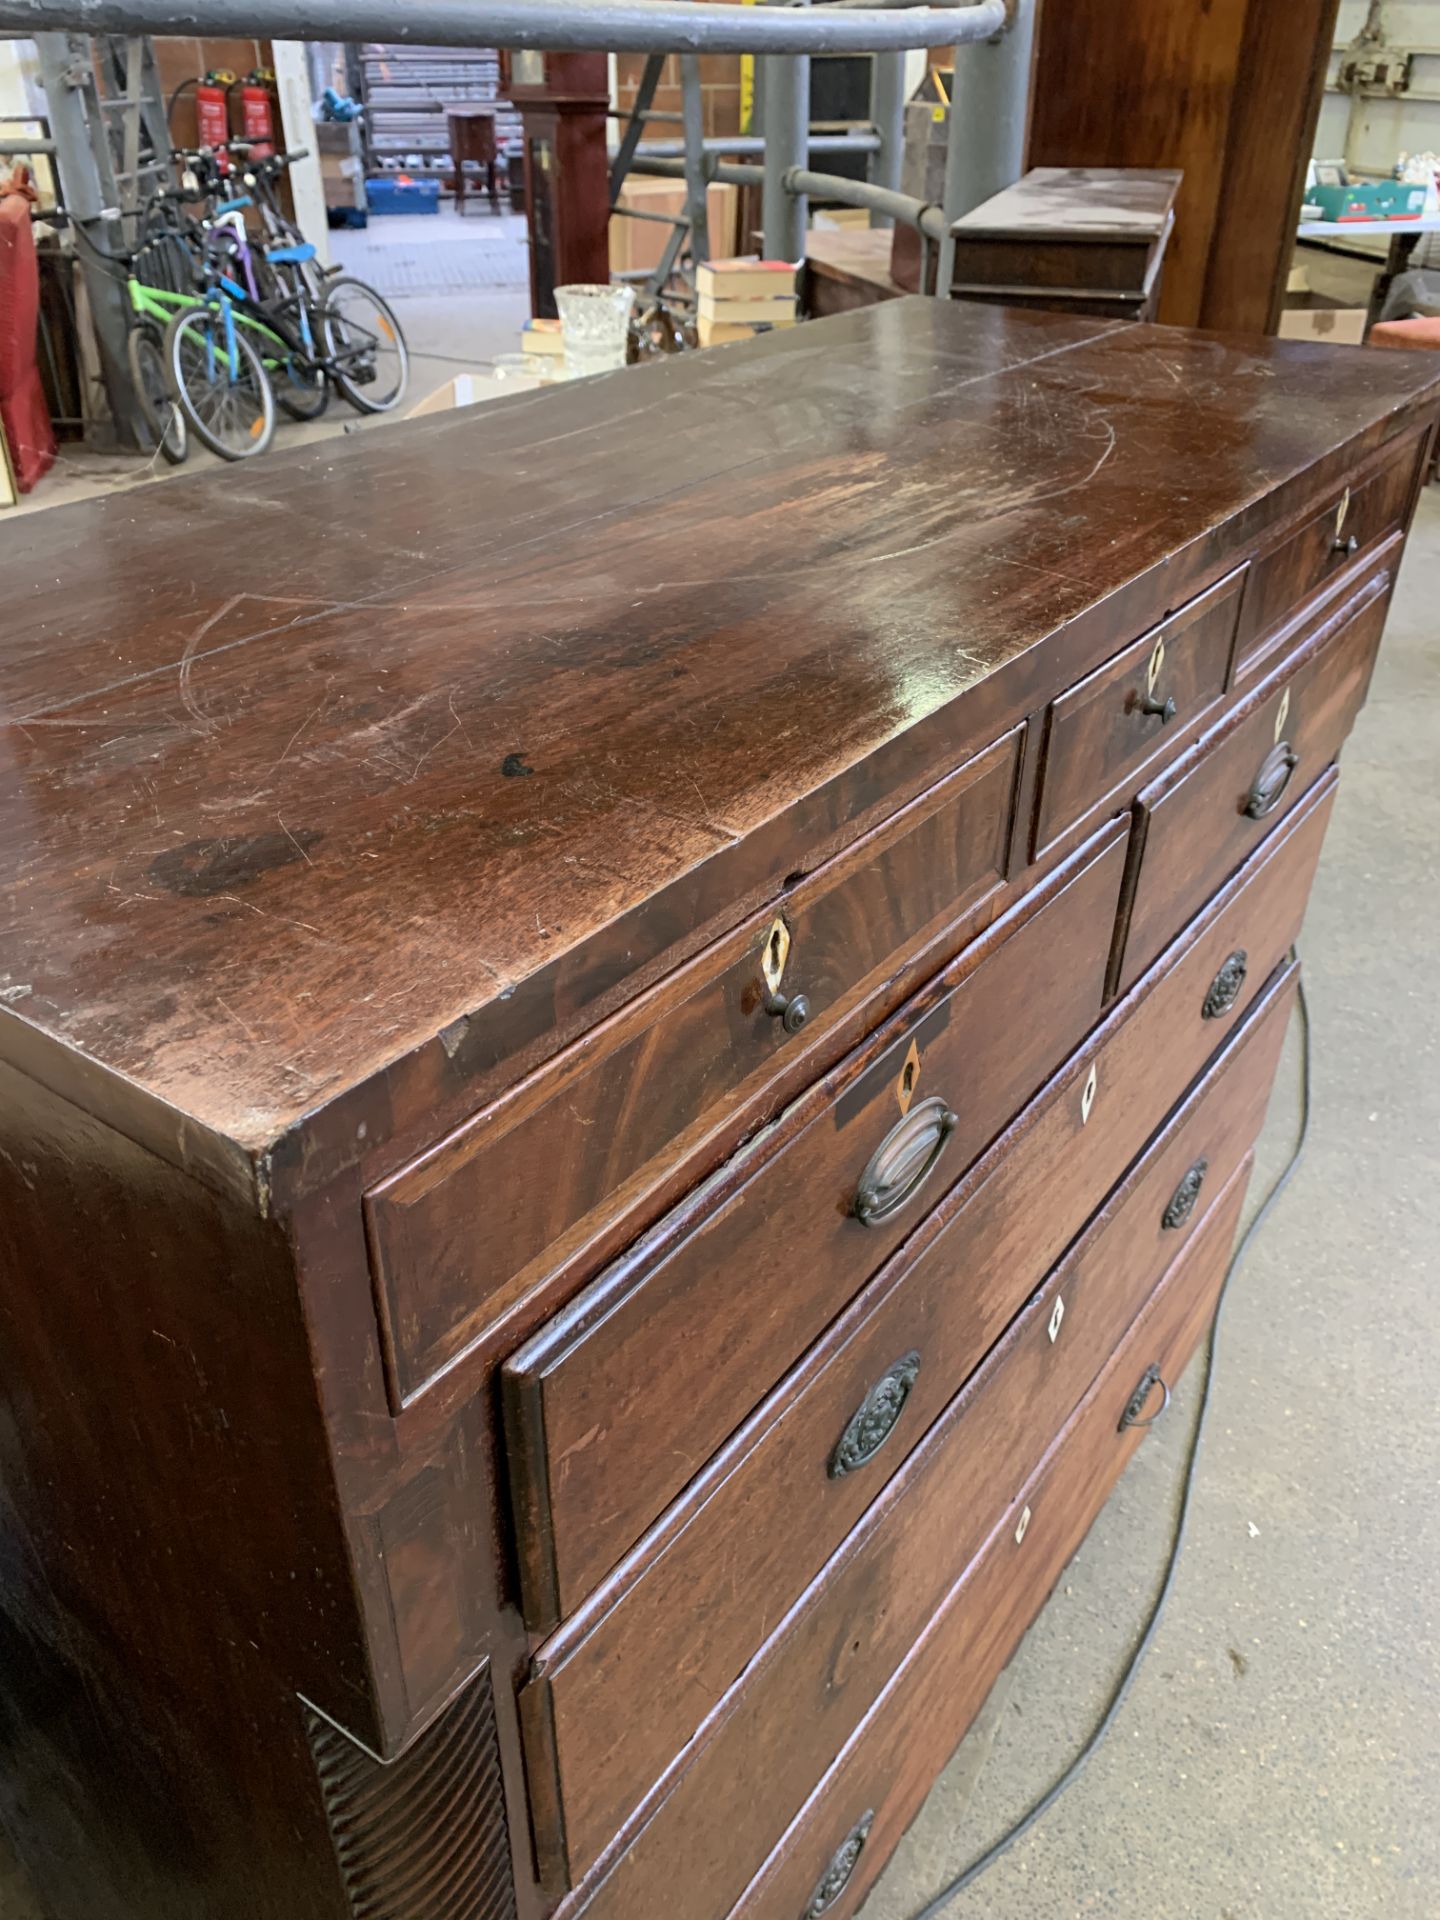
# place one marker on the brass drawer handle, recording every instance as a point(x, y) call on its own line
point(875, 1419)
point(838, 1874)
point(1182, 1201)
point(1135, 1405)
point(1225, 987)
point(903, 1162)
point(1165, 710)
point(1268, 787)
point(1345, 547)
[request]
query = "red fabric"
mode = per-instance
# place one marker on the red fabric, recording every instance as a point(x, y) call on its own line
point(23, 412)
point(1407, 335)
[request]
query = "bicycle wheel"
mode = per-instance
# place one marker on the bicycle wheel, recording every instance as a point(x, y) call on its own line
point(145, 352)
point(229, 403)
point(369, 361)
point(303, 392)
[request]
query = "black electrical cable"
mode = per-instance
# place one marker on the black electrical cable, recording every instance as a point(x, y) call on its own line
point(1187, 1486)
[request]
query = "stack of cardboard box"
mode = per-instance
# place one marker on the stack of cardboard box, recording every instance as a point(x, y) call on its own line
point(743, 297)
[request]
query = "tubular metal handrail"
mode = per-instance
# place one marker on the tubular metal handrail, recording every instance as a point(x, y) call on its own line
point(612, 26)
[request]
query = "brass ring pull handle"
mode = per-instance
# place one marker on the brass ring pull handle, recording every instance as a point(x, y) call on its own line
point(1134, 1406)
point(875, 1419)
point(1340, 546)
point(903, 1162)
point(1225, 987)
point(838, 1874)
point(1164, 710)
point(1182, 1201)
point(791, 1010)
point(1267, 789)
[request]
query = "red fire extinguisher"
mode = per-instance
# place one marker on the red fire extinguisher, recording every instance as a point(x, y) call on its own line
point(257, 112)
point(212, 114)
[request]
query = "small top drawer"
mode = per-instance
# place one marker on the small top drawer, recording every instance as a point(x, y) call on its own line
point(1353, 519)
point(1201, 818)
point(462, 1233)
point(1103, 731)
point(617, 1403)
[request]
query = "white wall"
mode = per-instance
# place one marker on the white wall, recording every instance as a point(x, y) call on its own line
point(1370, 134)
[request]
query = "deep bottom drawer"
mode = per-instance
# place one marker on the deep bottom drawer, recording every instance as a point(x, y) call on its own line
point(841, 1840)
point(812, 1685)
point(614, 1699)
point(616, 1404)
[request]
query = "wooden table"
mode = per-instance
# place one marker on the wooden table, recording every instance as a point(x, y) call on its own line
point(848, 268)
point(1403, 238)
point(472, 138)
point(616, 1116)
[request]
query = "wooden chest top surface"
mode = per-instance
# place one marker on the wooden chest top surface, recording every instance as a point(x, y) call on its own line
point(307, 765)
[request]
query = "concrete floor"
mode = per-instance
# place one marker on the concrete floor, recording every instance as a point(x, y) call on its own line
point(1280, 1754)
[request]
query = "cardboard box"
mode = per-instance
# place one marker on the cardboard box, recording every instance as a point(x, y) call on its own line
point(637, 246)
point(1338, 326)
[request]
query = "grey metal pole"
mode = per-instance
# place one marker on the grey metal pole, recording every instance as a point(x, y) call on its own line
point(989, 109)
point(697, 185)
point(887, 114)
point(610, 26)
point(748, 143)
point(784, 216)
point(829, 186)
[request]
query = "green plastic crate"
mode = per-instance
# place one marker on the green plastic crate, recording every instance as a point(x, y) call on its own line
point(1377, 200)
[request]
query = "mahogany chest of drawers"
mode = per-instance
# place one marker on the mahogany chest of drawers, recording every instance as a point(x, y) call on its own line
point(622, 1095)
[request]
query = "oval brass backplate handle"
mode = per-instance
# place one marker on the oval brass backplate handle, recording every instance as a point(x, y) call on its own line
point(838, 1874)
point(903, 1162)
point(1225, 987)
point(875, 1419)
point(1268, 787)
point(1182, 1201)
point(1135, 1405)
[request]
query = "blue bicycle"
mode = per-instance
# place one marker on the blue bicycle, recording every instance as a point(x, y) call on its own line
point(215, 373)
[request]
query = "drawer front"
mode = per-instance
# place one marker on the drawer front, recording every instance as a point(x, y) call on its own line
point(1208, 812)
point(1103, 731)
point(616, 1404)
point(1353, 520)
point(848, 1830)
point(614, 1702)
point(464, 1232)
point(808, 1693)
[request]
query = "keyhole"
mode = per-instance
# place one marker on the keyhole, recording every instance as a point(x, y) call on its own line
point(775, 949)
point(907, 1079)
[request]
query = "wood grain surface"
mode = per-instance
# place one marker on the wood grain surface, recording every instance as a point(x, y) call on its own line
point(277, 810)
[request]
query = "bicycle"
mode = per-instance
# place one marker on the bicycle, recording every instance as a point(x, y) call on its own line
point(343, 329)
point(212, 369)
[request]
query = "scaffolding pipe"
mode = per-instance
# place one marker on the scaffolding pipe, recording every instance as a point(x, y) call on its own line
point(989, 109)
point(784, 215)
point(887, 115)
point(924, 215)
point(748, 143)
point(562, 26)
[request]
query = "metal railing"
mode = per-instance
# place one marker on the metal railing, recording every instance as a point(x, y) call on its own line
point(560, 26)
point(986, 118)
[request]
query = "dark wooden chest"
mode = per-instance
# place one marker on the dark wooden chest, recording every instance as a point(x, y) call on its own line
point(623, 1091)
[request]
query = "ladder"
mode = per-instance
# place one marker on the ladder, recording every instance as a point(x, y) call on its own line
point(111, 138)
